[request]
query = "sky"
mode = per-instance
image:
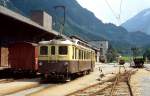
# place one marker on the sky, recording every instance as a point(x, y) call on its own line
point(101, 10)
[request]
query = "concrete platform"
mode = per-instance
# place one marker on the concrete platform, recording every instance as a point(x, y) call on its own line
point(140, 81)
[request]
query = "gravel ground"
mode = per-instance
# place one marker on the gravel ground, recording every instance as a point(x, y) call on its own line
point(79, 83)
point(61, 89)
point(145, 86)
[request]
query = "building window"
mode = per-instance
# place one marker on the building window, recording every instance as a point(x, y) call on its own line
point(63, 50)
point(53, 50)
point(43, 50)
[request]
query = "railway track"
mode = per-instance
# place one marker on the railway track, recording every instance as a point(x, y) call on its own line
point(9, 86)
point(27, 89)
point(120, 86)
point(12, 80)
point(30, 91)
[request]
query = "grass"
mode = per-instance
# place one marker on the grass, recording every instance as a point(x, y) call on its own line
point(129, 58)
point(126, 58)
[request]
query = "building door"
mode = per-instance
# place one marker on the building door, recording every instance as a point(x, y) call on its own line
point(4, 56)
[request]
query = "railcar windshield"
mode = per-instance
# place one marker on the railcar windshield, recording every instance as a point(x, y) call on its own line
point(63, 50)
point(43, 50)
point(53, 50)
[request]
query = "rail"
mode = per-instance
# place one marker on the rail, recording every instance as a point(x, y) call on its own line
point(128, 83)
point(126, 77)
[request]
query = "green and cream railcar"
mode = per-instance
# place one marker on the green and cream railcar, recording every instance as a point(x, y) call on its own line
point(64, 58)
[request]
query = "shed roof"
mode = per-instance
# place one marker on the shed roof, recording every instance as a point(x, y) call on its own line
point(16, 26)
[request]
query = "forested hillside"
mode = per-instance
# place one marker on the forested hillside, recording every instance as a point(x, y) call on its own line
point(83, 23)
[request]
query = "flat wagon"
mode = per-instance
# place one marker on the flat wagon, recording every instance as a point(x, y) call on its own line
point(137, 63)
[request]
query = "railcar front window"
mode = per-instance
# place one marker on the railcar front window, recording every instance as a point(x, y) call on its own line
point(53, 50)
point(44, 50)
point(63, 50)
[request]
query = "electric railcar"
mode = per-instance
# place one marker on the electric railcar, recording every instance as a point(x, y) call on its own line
point(65, 59)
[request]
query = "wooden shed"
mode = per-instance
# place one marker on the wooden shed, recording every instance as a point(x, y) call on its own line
point(23, 56)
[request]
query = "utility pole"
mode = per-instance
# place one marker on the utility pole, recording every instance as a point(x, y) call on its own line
point(62, 20)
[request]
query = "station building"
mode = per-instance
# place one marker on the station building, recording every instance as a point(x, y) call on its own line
point(103, 48)
point(16, 28)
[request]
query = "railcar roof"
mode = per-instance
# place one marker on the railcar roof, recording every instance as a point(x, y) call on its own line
point(55, 41)
point(63, 42)
point(66, 42)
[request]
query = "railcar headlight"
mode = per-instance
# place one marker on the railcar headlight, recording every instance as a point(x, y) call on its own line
point(40, 63)
point(66, 63)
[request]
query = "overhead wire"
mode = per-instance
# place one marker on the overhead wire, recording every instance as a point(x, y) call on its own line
point(113, 12)
point(120, 12)
point(117, 16)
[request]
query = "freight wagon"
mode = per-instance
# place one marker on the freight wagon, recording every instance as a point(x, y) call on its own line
point(22, 59)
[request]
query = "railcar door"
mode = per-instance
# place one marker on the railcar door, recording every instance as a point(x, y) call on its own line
point(92, 61)
point(43, 58)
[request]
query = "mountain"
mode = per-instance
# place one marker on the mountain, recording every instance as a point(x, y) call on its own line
point(140, 22)
point(83, 23)
point(8, 4)
point(76, 23)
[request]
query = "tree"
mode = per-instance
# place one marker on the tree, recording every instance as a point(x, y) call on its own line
point(111, 54)
point(147, 54)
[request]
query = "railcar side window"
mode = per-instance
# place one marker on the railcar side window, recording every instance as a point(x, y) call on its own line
point(79, 54)
point(75, 53)
point(52, 50)
point(63, 50)
point(43, 50)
